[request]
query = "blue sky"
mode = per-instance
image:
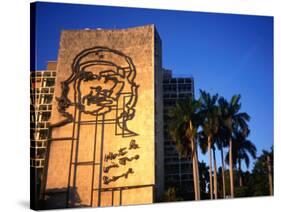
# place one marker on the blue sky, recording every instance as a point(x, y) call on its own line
point(226, 54)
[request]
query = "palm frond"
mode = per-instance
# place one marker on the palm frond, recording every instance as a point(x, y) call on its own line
point(184, 124)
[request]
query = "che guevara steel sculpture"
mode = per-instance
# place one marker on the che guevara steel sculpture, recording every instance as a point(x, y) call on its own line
point(103, 83)
point(100, 98)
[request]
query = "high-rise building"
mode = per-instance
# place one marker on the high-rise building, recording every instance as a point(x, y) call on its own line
point(106, 135)
point(178, 171)
point(41, 95)
point(105, 129)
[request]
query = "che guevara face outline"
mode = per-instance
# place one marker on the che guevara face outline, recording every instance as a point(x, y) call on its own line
point(98, 91)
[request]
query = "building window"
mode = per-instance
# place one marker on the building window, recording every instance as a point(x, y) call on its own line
point(47, 74)
point(188, 80)
point(47, 99)
point(43, 134)
point(50, 82)
point(43, 107)
point(184, 87)
point(180, 80)
point(46, 116)
point(169, 87)
point(38, 73)
point(45, 90)
point(173, 80)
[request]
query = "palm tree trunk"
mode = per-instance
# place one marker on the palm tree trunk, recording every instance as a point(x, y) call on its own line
point(269, 175)
point(215, 176)
point(223, 177)
point(195, 166)
point(210, 167)
point(197, 173)
point(240, 174)
point(194, 170)
point(231, 169)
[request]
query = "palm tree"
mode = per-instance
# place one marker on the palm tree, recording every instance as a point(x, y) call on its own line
point(215, 173)
point(232, 119)
point(262, 181)
point(185, 120)
point(269, 164)
point(210, 125)
point(204, 177)
point(242, 149)
point(221, 142)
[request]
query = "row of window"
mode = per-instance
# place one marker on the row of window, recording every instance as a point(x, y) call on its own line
point(177, 80)
point(46, 82)
point(43, 73)
point(40, 107)
point(177, 87)
point(175, 159)
point(37, 163)
point(183, 168)
point(40, 134)
point(40, 116)
point(177, 178)
point(38, 144)
point(177, 95)
point(185, 185)
point(42, 90)
point(39, 125)
point(42, 99)
point(171, 102)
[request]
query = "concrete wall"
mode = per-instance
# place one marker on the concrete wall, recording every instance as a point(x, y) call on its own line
point(159, 136)
point(105, 103)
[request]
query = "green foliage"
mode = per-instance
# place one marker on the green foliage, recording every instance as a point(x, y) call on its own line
point(220, 120)
point(171, 195)
point(255, 182)
point(242, 148)
point(241, 191)
point(184, 124)
point(258, 184)
point(231, 116)
point(204, 178)
point(210, 113)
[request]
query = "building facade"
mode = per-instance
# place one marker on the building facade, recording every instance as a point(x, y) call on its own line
point(178, 171)
point(99, 121)
point(106, 141)
point(41, 95)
